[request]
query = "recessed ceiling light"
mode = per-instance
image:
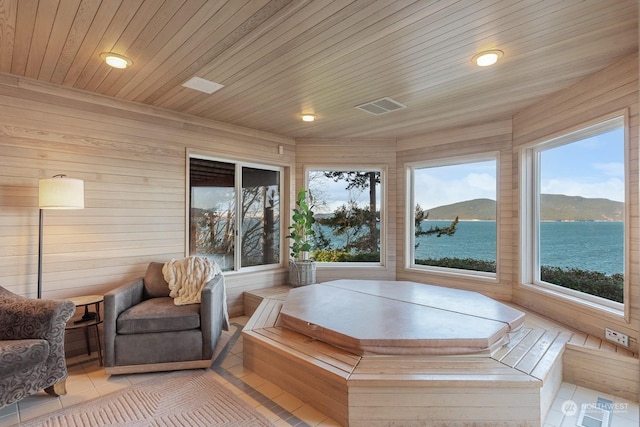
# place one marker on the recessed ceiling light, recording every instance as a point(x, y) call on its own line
point(308, 117)
point(487, 58)
point(116, 61)
point(202, 85)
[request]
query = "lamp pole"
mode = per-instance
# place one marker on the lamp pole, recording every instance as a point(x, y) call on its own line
point(40, 255)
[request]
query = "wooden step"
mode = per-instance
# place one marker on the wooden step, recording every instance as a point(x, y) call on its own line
point(308, 369)
point(533, 351)
point(518, 382)
point(374, 390)
point(252, 300)
point(600, 365)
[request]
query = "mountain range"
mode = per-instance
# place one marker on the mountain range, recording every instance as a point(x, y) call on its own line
point(555, 207)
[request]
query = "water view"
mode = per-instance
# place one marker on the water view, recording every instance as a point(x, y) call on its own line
point(582, 245)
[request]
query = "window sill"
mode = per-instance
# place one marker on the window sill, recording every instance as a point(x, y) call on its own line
point(456, 273)
point(322, 265)
point(548, 292)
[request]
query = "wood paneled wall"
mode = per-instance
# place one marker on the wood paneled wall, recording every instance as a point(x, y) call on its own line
point(612, 90)
point(353, 154)
point(132, 159)
point(469, 141)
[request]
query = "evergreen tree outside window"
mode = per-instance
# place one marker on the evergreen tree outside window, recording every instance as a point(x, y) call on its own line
point(347, 204)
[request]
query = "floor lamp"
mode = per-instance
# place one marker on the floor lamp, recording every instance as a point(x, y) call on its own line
point(58, 192)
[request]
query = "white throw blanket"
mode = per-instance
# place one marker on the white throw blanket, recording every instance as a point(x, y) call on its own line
point(188, 276)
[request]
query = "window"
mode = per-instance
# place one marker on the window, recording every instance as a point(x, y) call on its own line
point(575, 233)
point(346, 204)
point(232, 206)
point(452, 216)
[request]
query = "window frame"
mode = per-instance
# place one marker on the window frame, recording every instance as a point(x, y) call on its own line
point(239, 165)
point(530, 213)
point(382, 203)
point(410, 211)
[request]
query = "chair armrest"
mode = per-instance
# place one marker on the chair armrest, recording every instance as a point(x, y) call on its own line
point(26, 318)
point(115, 302)
point(213, 314)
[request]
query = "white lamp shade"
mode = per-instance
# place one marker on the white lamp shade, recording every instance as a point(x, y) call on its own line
point(61, 193)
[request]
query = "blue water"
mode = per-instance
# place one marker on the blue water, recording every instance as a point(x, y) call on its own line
point(595, 246)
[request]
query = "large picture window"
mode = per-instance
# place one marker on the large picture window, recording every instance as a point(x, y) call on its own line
point(234, 213)
point(347, 207)
point(452, 216)
point(575, 235)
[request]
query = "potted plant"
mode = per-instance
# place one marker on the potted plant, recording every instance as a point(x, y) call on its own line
point(302, 270)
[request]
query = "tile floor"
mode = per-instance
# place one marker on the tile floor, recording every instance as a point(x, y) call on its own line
point(566, 407)
point(87, 380)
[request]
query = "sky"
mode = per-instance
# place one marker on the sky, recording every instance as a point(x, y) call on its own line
point(334, 193)
point(591, 168)
point(444, 185)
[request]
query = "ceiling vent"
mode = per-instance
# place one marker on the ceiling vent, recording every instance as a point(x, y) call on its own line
point(381, 106)
point(202, 85)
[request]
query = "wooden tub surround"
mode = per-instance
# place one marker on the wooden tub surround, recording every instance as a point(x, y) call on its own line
point(512, 383)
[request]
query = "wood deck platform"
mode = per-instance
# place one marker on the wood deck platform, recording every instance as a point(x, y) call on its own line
point(370, 317)
point(515, 386)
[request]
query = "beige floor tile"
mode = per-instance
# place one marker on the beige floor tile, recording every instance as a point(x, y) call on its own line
point(79, 384)
point(241, 320)
point(9, 419)
point(87, 380)
point(237, 348)
point(288, 402)
point(8, 410)
point(239, 371)
point(38, 399)
point(249, 400)
point(43, 408)
point(111, 388)
point(253, 380)
point(267, 413)
point(222, 380)
point(72, 398)
point(329, 422)
point(139, 378)
point(309, 415)
point(269, 390)
point(622, 422)
point(231, 361)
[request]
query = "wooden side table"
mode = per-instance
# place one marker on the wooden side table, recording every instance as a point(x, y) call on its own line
point(89, 319)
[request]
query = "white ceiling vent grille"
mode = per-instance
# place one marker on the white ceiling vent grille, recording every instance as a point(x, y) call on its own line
point(202, 85)
point(381, 106)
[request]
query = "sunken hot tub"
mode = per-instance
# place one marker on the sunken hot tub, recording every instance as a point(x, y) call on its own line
point(399, 318)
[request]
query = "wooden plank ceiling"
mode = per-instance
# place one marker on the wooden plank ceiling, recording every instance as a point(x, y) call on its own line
point(279, 58)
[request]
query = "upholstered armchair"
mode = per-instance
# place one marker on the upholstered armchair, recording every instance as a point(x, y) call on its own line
point(144, 331)
point(32, 346)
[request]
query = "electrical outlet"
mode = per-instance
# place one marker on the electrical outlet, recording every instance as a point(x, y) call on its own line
point(616, 337)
